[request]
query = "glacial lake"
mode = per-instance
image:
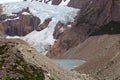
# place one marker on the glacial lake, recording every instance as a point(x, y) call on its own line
point(68, 63)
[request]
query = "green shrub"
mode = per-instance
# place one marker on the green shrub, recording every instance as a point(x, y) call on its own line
point(5, 78)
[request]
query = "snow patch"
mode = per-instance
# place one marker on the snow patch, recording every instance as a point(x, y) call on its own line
point(69, 26)
point(8, 19)
point(64, 2)
point(25, 13)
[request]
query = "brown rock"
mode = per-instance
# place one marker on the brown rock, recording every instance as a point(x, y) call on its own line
point(44, 24)
point(56, 2)
point(78, 3)
point(91, 18)
point(58, 31)
point(21, 26)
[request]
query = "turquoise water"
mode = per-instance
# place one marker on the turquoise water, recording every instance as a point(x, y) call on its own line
point(68, 63)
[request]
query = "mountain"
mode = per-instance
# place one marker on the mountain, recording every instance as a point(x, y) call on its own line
point(90, 31)
point(18, 61)
point(91, 19)
point(94, 37)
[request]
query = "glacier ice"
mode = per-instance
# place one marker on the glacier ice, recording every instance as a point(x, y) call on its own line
point(41, 40)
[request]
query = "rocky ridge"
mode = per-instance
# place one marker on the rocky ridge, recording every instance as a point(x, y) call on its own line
point(20, 61)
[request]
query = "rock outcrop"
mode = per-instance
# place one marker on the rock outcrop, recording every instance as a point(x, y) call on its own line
point(44, 24)
point(56, 2)
point(19, 25)
point(78, 3)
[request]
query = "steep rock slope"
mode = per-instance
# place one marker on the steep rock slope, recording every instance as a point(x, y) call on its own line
point(19, 61)
point(91, 18)
point(102, 54)
point(78, 3)
point(19, 25)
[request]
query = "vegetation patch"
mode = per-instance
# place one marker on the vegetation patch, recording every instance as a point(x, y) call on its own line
point(14, 67)
point(3, 49)
point(27, 71)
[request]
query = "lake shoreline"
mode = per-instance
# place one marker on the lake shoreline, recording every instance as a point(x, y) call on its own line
point(68, 64)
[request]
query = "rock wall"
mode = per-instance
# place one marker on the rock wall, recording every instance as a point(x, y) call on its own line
point(19, 25)
point(91, 18)
point(78, 3)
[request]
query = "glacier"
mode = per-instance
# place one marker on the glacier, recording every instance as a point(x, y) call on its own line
point(41, 40)
point(7, 1)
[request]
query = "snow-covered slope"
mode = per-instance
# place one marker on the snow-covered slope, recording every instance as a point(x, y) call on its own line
point(42, 40)
point(64, 2)
point(59, 2)
point(6, 1)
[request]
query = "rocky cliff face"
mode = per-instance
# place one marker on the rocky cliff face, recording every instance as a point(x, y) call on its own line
point(92, 17)
point(19, 25)
point(56, 2)
point(94, 37)
point(78, 3)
